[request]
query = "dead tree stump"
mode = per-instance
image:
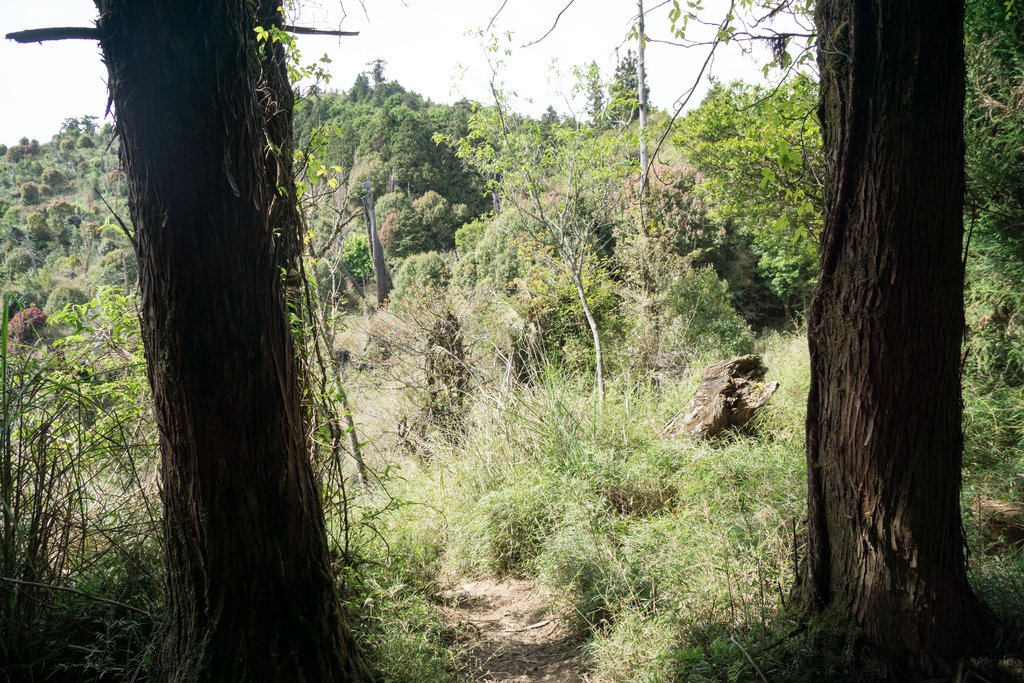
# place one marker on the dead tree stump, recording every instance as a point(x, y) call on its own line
point(447, 372)
point(729, 394)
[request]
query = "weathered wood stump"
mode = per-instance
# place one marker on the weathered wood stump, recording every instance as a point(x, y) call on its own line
point(1003, 520)
point(729, 394)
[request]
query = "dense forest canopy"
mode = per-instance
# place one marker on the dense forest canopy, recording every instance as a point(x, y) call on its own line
point(510, 411)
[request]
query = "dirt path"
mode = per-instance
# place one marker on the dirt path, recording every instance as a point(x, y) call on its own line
point(509, 635)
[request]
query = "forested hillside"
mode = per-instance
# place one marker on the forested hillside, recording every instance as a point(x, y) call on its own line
point(496, 329)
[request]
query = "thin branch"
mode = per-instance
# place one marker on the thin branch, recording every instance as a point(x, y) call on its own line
point(78, 593)
point(495, 17)
point(303, 31)
point(39, 35)
point(749, 658)
point(120, 222)
point(550, 30)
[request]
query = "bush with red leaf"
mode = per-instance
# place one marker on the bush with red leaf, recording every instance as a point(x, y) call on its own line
point(26, 325)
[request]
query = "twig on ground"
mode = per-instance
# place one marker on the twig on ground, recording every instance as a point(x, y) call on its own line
point(749, 658)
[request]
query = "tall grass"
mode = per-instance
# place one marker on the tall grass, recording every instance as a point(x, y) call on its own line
point(631, 534)
point(669, 559)
point(79, 567)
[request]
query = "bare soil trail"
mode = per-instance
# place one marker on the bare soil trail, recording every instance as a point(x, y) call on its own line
point(509, 634)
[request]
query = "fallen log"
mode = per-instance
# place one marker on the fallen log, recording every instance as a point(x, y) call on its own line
point(729, 394)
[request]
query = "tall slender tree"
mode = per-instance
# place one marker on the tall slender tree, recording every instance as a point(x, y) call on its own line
point(203, 110)
point(884, 441)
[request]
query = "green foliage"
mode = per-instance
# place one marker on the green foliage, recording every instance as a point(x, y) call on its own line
point(514, 526)
point(675, 213)
point(704, 318)
point(17, 262)
point(994, 133)
point(400, 230)
point(469, 235)
point(331, 284)
point(62, 208)
point(64, 296)
point(30, 193)
point(439, 218)
point(549, 300)
point(78, 514)
point(358, 259)
point(385, 134)
point(38, 226)
point(495, 259)
point(85, 142)
point(117, 269)
point(421, 273)
point(67, 145)
point(758, 153)
point(412, 227)
point(54, 178)
point(624, 91)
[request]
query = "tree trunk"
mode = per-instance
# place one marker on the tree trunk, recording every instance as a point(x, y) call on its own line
point(380, 267)
point(250, 590)
point(641, 79)
point(884, 441)
point(577, 280)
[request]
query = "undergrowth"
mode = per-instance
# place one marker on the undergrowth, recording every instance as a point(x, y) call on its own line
point(669, 559)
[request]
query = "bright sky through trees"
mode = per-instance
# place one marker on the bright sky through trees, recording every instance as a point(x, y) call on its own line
point(425, 43)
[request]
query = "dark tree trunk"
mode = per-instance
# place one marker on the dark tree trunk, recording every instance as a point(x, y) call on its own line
point(380, 266)
point(250, 590)
point(884, 438)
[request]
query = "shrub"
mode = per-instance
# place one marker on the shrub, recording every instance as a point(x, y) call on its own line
point(110, 270)
point(552, 303)
point(14, 154)
point(3, 149)
point(30, 193)
point(421, 272)
point(26, 325)
point(67, 145)
point(39, 227)
point(27, 292)
point(16, 263)
point(469, 235)
point(495, 257)
point(358, 259)
point(439, 219)
point(62, 207)
point(45, 190)
point(91, 229)
point(63, 296)
point(704, 319)
point(53, 177)
point(85, 142)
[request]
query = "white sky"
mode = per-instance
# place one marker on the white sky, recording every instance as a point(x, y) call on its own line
point(423, 41)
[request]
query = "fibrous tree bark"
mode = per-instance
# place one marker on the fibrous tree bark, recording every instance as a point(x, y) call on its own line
point(729, 394)
point(205, 124)
point(884, 441)
point(380, 266)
